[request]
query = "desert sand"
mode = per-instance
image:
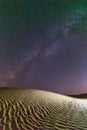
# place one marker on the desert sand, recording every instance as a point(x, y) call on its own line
point(29, 109)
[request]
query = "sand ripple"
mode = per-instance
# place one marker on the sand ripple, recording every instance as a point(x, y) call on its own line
point(25, 109)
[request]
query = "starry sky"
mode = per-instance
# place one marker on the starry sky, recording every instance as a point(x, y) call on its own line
point(43, 45)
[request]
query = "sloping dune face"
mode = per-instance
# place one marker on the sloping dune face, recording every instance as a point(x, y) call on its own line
point(26, 109)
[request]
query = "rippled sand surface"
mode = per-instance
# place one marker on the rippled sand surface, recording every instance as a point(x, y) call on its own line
point(26, 109)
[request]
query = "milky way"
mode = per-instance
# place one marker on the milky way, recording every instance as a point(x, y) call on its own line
point(43, 44)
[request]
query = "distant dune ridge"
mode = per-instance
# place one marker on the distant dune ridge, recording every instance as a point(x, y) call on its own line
point(82, 96)
point(29, 109)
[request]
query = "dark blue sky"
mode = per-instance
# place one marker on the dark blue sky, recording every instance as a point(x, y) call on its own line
point(43, 45)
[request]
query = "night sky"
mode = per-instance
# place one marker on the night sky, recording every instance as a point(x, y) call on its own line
point(43, 45)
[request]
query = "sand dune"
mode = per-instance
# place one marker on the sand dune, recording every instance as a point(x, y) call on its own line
point(26, 109)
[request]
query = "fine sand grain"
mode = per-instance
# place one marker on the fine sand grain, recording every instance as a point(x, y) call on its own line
point(27, 109)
